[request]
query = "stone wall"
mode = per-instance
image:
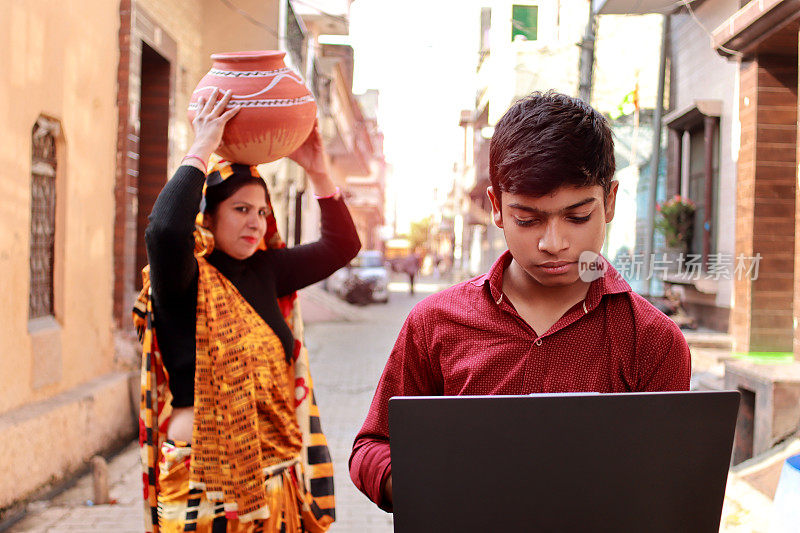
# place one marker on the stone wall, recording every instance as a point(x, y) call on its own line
point(56, 69)
point(61, 400)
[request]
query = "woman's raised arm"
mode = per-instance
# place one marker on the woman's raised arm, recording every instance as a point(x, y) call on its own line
point(168, 237)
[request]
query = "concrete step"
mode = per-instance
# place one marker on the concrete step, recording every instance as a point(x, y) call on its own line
point(707, 381)
point(705, 338)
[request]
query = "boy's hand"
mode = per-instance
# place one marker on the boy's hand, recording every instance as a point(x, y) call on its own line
point(387, 490)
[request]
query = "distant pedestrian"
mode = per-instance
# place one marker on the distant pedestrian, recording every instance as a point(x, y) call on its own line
point(436, 264)
point(411, 268)
point(228, 412)
point(533, 323)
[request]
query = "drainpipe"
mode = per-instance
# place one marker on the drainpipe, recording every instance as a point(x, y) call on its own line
point(298, 216)
point(655, 154)
point(587, 59)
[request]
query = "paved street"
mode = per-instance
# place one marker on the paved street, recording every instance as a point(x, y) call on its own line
point(347, 357)
point(347, 361)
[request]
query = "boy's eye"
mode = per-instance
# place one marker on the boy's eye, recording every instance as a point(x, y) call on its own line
point(525, 221)
point(579, 220)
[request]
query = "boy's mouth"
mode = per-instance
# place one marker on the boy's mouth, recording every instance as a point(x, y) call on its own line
point(555, 267)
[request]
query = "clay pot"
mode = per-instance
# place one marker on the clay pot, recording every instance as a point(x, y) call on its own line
point(277, 112)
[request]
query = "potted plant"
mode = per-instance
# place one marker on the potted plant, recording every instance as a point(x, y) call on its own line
point(676, 222)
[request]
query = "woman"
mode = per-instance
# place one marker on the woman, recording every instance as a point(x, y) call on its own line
point(230, 431)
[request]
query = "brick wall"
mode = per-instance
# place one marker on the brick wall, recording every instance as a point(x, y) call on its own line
point(181, 21)
point(765, 221)
point(796, 311)
point(126, 143)
point(151, 134)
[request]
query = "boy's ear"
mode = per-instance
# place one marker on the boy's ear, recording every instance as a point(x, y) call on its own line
point(611, 201)
point(497, 212)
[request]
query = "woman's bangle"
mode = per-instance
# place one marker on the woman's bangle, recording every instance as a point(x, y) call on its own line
point(336, 194)
point(193, 156)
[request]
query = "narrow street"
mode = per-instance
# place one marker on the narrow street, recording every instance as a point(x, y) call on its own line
point(347, 360)
point(347, 357)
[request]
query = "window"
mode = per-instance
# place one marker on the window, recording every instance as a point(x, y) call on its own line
point(524, 22)
point(694, 173)
point(43, 218)
point(697, 187)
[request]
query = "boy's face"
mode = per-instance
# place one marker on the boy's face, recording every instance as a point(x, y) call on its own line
point(547, 234)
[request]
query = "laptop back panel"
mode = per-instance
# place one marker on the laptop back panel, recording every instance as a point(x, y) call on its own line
point(617, 462)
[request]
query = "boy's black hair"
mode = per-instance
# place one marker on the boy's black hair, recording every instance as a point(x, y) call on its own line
point(548, 140)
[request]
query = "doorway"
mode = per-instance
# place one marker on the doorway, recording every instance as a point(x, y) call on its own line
point(153, 144)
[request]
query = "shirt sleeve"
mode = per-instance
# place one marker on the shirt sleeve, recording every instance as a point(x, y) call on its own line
point(408, 372)
point(301, 266)
point(665, 363)
point(168, 237)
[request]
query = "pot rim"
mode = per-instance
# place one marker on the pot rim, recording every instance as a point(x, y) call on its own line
point(248, 55)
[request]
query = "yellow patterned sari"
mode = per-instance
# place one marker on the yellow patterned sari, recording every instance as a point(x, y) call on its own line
point(257, 443)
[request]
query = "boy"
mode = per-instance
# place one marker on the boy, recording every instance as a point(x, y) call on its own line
point(537, 321)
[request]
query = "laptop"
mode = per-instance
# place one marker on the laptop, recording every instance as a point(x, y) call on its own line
point(654, 462)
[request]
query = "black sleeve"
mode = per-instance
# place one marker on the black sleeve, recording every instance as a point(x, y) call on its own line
point(169, 240)
point(303, 265)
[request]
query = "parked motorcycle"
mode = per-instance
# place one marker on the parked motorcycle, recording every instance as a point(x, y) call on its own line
point(358, 291)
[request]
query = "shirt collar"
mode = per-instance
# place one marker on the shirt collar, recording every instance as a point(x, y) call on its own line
point(610, 283)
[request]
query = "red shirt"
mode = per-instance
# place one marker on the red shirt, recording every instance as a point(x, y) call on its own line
point(469, 340)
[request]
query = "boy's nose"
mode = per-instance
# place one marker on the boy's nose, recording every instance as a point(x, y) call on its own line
point(551, 241)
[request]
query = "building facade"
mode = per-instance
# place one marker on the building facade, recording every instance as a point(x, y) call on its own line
point(536, 45)
point(60, 380)
point(761, 41)
point(702, 129)
point(733, 148)
point(96, 123)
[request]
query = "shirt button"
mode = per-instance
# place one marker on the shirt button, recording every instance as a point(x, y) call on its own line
point(538, 342)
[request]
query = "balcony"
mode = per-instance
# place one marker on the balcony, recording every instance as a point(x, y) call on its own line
point(295, 39)
point(325, 17)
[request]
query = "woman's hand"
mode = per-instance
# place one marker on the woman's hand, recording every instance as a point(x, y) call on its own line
point(209, 124)
point(311, 154)
point(312, 157)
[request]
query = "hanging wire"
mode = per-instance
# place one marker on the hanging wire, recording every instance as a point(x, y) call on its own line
point(686, 4)
point(337, 18)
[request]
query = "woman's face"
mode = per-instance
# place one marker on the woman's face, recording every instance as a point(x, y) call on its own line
point(240, 222)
